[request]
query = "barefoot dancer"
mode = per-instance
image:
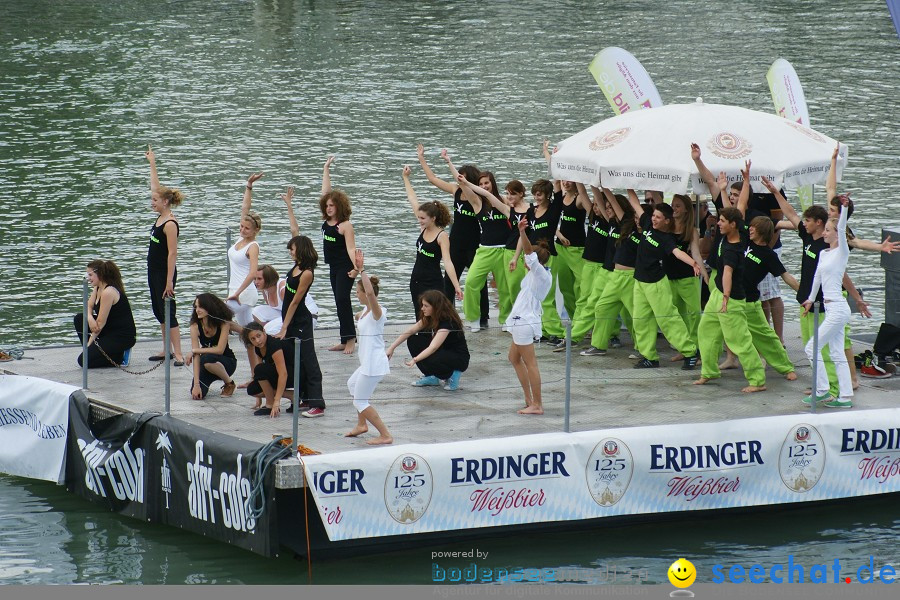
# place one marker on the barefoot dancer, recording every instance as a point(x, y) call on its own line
point(525, 321)
point(243, 257)
point(161, 271)
point(373, 362)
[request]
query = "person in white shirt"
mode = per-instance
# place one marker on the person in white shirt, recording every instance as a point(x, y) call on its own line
point(524, 321)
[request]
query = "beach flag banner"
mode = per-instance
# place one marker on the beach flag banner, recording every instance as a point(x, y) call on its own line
point(615, 472)
point(624, 81)
point(34, 416)
point(894, 8)
point(790, 103)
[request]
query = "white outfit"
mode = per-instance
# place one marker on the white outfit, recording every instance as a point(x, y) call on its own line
point(240, 269)
point(373, 362)
point(270, 316)
point(829, 276)
point(524, 321)
point(770, 286)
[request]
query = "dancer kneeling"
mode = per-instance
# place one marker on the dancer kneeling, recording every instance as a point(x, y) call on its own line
point(436, 342)
point(373, 362)
point(273, 371)
point(110, 321)
point(524, 321)
point(211, 322)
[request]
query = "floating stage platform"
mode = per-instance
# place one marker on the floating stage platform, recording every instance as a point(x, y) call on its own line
point(640, 444)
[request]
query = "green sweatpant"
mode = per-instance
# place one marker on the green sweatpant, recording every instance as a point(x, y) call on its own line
point(617, 296)
point(807, 326)
point(765, 339)
point(686, 297)
point(487, 260)
point(551, 324)
point(568, 274)
point(732, 327)
point(593, 280)
point(514, 278)
point(653, 307)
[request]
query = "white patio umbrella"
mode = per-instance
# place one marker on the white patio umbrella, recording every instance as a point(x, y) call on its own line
point(651, 149)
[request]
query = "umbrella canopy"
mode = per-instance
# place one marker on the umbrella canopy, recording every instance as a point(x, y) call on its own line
point(651, 149)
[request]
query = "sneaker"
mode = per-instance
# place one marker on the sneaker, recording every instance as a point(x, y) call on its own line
point(819, 399)
point(690, 362)
point(552, 340)
point(645, 363)
point(228, 389)
point(561, 346)
point(592, 351)
point(484, 324)
point(301, 407)
point(474, 326)
point(453, 381)
point(838, 403)
point(426, 381)
point(504, 328)
point(262, 412)
point(873, 370)
point(314, 412)
point(125, 358)
point(615, 342)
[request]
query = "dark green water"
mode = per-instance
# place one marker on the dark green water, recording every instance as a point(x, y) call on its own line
point(225, 88)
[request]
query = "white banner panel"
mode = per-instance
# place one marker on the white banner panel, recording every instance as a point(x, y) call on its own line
point(790, 103)
point(624, 80)
point(589, 475)
point(34, 420)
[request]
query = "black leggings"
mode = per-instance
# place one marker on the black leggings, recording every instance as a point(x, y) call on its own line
point(114, 345)
point(462, 259)
point(156, 280)
point(342, 286)
point(442, 363)
point(310, 372)
point(265, 371)
point(207, 378)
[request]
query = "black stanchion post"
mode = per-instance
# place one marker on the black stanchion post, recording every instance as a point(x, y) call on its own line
point(167, 338)
point(296, 400)
point(84, 334)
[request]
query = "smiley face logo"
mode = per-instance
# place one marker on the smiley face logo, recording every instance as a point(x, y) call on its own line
point(682, 573)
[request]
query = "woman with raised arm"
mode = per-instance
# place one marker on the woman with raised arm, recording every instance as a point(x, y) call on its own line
point(519, 209)
point(243, 257)
point(161, 257)
point(272, 368)
point(524, 321)
point(210, 326)
point(686, 288)
point(465, 233)
point(373, 362)
point(110, 321)
point(297, 323)
point(431, 247)
point(338, 248)
point(570, 247)
point(436, 343)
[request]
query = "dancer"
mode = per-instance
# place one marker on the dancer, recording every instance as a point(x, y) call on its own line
point(338, 248)
point(519, 209)
point(161, 257)
point(725, 314)
point(829, 276)
point(272, 368)
point(525, 321)
point(489, 258)
point(243, 257)
point(110, 321)
point(211, 323)
point(436, 343)
point(570, 247)
point(373, 362)
point(297, 323)
point(431, 247)
point(465, 234)
point(686, 289)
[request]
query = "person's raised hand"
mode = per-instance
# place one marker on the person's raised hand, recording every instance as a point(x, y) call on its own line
point(253, 178)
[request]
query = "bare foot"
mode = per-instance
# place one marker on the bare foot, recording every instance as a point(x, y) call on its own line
point(677, 357)
point(532, 410)
point(791, 376)
point(728, 363)
point(856, 384)
point(702, 381)
point(245, 385)
point(349, 346)
point(356, 431)
point(256, 406)
point(381, 440)
point(337, 348)
point(754, 388)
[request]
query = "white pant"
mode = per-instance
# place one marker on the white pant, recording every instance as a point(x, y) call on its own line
point(243, 313)
point(831, 332)
point(361, 388)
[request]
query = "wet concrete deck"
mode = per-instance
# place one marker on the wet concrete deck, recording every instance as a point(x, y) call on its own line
point(605, 392)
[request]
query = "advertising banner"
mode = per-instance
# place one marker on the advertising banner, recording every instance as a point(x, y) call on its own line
point(624, 81)
point(589, 475)
point(33, 426)
point(790, 103)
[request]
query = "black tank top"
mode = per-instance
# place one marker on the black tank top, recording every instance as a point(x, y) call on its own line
point(465, 233)
point(545, 225)
point(514, 217)
point(571, 224)
point(596, 240)
point(334, 246)
point(302, 318)
point(428, 259)
point(494, 227)
point(212, 342)
point(119, 321)
point(158, 254)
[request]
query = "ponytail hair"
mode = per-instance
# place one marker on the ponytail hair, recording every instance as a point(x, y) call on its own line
point(172, 196)
point(373, 280)
point(108, 272)
point(437, 211)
